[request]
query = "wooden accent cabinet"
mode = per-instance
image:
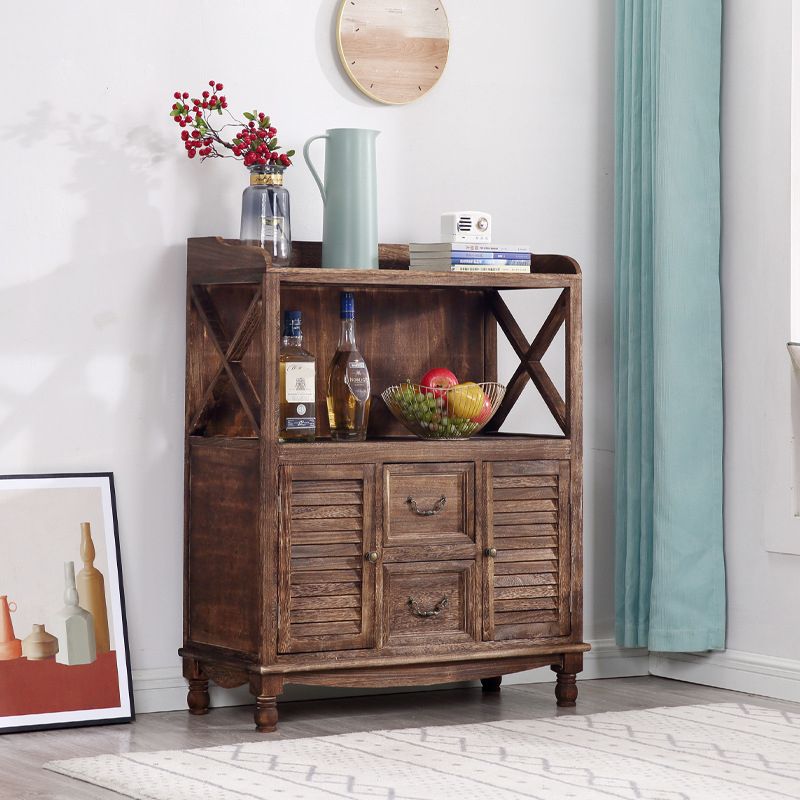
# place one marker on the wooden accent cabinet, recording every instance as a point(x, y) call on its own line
point(393, 561)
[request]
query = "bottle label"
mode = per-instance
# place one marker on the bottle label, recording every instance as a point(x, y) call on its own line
point(356, 378)
point(300, 382)
point(271, 228)
point(300, 424)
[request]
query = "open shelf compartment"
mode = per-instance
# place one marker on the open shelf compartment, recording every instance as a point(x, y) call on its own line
point(407, 322)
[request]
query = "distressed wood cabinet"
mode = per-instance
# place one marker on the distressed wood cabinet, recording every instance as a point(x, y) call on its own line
point(394, 561)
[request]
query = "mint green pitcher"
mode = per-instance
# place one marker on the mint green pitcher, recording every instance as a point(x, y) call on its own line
point(349, 197)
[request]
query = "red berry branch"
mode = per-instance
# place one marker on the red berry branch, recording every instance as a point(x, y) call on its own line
point(255, 143)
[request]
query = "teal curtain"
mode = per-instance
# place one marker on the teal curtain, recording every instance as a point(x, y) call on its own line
point(670, 578)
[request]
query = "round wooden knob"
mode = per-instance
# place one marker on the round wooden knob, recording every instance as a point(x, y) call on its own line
point(372, 556)
point(491, 552)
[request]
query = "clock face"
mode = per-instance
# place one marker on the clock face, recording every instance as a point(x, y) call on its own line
point(393, 50)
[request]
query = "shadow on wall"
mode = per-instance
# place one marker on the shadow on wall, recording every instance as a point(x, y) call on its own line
point(94, 366)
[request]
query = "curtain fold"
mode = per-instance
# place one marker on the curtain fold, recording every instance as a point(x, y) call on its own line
point(670, 580)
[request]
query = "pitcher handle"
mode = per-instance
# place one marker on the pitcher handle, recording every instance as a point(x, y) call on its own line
point(311, 166)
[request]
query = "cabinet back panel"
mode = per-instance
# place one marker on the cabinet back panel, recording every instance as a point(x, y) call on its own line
point(401, 335)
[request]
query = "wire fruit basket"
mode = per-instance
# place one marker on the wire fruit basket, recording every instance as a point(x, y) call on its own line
point(455, 413)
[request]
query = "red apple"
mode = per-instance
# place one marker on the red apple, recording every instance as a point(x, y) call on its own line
point(438, 379)
point(486, 411)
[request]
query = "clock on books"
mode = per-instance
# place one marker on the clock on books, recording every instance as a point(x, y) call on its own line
point(393, 50)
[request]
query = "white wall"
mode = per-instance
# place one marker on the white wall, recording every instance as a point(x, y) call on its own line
point(763, 584)
point(756, 275)
point(98, 200)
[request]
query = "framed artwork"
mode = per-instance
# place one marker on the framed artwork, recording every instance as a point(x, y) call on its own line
point(64, 657)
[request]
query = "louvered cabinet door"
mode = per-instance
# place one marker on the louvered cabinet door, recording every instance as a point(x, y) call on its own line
point(326, 586)
point(527, 578)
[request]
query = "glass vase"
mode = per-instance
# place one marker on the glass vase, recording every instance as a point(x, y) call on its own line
point(265, 213)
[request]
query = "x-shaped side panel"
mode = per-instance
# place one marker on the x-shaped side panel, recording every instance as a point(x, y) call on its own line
point(231, 353)
point(530, 356)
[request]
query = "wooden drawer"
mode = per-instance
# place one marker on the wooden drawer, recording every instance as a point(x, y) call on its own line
point(428, 504)
point(430, 603)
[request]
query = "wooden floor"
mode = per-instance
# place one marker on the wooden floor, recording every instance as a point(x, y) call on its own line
point(22, 755)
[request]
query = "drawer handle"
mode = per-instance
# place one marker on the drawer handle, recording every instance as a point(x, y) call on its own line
point(434, 612)
point(372, 556)
point(491, 552)
point(435, 509)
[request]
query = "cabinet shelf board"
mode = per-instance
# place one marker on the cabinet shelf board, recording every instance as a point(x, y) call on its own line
point(412, 449)
point(216, 260)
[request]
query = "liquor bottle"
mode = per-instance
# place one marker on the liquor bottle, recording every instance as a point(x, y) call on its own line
point(298, 406)
point(348, 394)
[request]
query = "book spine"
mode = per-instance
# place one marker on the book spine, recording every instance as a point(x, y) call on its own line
point(461, 254)
point(468, 268)
point(467, 247)
point(523, 269)
point(443, 262)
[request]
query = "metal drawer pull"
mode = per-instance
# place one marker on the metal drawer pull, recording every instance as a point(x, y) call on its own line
point(490, 551)
point(437, 506)
point(434, 612)
point(372, 556)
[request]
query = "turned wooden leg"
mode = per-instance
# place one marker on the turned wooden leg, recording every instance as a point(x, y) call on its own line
point(266, 690)
point(566, 690)
point(491, 684)
point(197, 699)
point(266, 713)
point(566, 685)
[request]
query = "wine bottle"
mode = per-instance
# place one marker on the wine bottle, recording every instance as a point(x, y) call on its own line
point(298, 406)
point(348, 394)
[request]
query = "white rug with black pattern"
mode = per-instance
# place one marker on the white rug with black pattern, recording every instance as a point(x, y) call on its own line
point(732, 751)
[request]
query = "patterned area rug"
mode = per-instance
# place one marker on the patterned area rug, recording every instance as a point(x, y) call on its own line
point(731, 751)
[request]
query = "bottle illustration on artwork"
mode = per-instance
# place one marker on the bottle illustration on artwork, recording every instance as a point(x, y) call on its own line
point(92, 591)
point(74, 626)
point(39, 644)
point(10, 646)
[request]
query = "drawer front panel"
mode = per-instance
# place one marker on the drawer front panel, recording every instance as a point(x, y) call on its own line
point(430, 603)
point(428, 504)
point(326, 587)
point(528, 526)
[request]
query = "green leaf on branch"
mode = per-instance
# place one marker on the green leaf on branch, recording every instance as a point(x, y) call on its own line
point(289, 153)
point(174, 112)
point(249, 116)
point(273, 142)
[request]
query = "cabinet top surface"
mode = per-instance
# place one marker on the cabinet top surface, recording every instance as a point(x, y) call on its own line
point(216, 260)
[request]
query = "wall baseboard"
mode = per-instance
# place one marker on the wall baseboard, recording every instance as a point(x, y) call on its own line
point(753, 673)
point(164, 689)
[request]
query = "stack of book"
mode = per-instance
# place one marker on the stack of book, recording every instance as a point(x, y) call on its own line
point(469, 257)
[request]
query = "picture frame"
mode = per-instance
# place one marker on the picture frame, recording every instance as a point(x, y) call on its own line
point(64, 654)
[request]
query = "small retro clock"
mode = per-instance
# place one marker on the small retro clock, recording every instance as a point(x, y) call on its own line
point(393, 50)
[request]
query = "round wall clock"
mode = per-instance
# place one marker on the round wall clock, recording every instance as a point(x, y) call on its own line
point(393, 50)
